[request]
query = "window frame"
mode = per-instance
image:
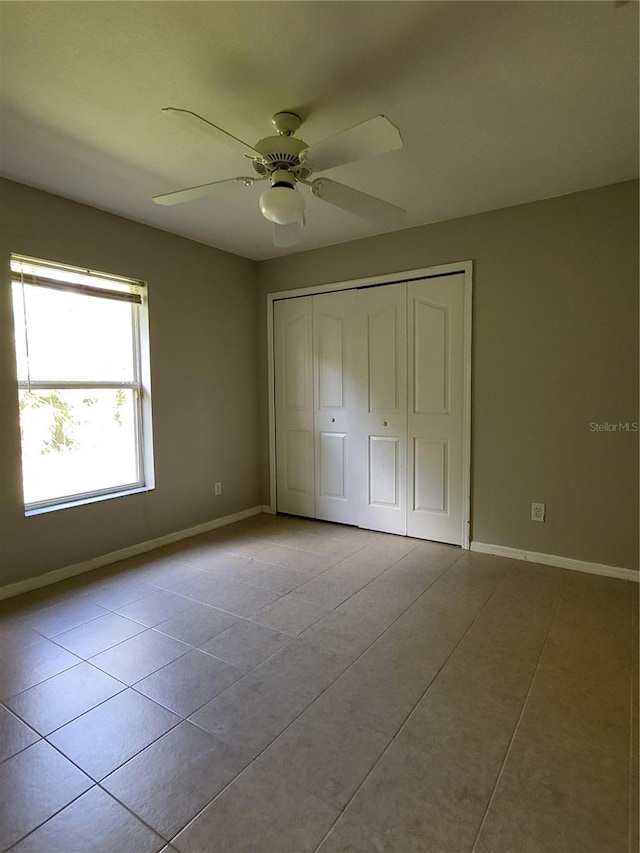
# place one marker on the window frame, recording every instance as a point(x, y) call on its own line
point(140, 385)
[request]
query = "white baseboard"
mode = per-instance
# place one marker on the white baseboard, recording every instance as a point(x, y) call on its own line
point(268, 509)
point(553, 560)
point(124, 553)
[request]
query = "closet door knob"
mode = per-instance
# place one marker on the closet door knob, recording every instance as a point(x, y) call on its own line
point(384, 423)
point(333, 420)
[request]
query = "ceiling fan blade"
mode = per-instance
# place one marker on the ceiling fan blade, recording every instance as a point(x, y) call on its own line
point(254, 151)
point(354, 201)
point(191, 193)
point(375, 136)
point(287, 235)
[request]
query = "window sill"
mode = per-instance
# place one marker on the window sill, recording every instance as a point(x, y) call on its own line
point(88, 500)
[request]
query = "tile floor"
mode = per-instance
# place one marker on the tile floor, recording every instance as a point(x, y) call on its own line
point(283, 686)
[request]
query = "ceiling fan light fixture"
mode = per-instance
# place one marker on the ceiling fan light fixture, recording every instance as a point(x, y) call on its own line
point(282, 203)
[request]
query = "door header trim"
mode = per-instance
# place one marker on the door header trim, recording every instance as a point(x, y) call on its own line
point(465, 267)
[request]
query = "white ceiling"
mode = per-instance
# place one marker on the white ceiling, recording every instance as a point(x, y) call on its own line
point(498, 103)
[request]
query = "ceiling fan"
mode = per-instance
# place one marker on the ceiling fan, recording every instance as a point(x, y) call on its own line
point(287, 161)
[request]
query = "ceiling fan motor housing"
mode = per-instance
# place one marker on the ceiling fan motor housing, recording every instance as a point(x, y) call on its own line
point(280, 153)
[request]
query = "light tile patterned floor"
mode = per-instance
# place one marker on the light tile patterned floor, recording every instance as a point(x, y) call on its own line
point(284, 686)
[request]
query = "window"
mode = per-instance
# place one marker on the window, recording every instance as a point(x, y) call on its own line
point(83, 383)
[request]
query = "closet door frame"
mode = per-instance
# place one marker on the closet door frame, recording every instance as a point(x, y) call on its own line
point(464, 267)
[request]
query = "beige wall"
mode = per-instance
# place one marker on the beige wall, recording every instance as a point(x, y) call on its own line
point(203, 317)
point(555, 348)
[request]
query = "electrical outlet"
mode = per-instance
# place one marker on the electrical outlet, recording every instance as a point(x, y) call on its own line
point(217, 489)
point(537, 512)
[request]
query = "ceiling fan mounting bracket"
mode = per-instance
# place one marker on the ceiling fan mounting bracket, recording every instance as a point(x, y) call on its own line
point(286, 123)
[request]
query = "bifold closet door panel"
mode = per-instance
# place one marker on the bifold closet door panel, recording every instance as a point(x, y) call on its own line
point(435, 311)
point(335, 346)
point(382, 407)
point(293, 355)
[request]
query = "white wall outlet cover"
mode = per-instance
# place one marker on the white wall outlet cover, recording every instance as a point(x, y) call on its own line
point(537, 511)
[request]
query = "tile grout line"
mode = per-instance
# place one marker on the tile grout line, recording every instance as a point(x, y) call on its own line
point(303, 550)
point(313, 702)
point(98, 785)
point(87, 660)
point(107, 612)
point(240, 556)
point(98, 782)
point(420, 698)
point(520, 716)
point(371, 580)
point(95, 783)
point(132, 813)
point(97, 705)
point(42, 823)
point(28, 725)
point(79, 625)
point(75, 799)
point(254, 618)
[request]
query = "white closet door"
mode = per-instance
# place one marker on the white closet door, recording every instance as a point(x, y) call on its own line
point(382, 409)
point(436, 395)
point(335, 405)
point(293, 350)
